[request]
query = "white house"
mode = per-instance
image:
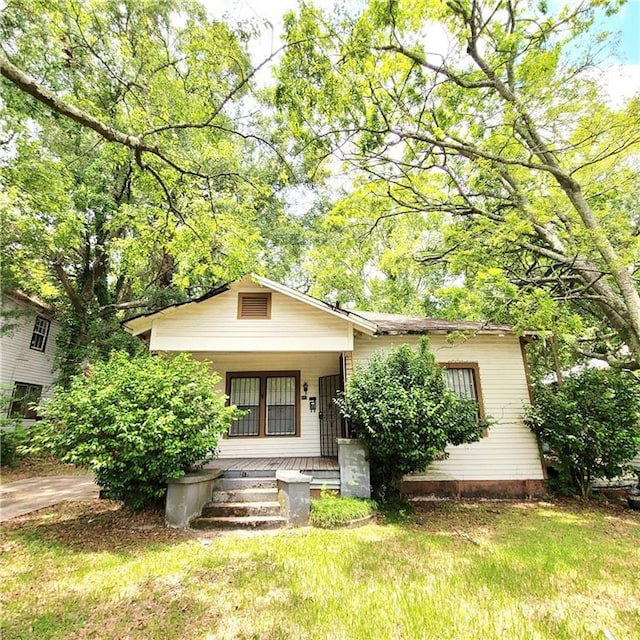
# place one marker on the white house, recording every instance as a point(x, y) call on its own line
point(282, 355)
point(27, 349)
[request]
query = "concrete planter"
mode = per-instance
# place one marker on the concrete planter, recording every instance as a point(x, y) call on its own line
point(187, 495)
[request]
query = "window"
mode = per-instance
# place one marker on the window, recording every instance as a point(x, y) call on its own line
point(254, 306)
point(272, 400)
point(24, 397)
point(40, 333)
point(463, 378)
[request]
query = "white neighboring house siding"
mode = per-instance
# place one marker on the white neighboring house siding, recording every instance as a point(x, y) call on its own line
point(18, 362)
point(213, 325)
point(510, 451)
point(311, 367)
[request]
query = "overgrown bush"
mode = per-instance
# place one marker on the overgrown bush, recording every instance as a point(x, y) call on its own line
point(136, 423)
point(13, 436)
point(12, 443)
point(401, 407)
point(592, 422)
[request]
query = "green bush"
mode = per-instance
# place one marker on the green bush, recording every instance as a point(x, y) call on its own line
point(13, 436)
point(136, 423)
point(592, 423)
point(401, 407)
point(331, 510)
point(12, 443)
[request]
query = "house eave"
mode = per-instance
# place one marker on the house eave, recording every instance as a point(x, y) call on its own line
point(142, 322)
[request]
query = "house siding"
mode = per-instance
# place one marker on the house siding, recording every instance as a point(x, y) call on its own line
point(213, 325)
point(510, 450)
point(18, 362)
point(311, 367)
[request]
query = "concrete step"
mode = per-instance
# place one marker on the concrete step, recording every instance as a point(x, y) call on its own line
point(251, 494)
point(248, 522)
point(240, 509)
point(254, 473)
point(225, 483)
point(324, 475)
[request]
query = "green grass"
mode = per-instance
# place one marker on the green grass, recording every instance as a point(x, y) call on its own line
point(451, 571)
point(331, 510)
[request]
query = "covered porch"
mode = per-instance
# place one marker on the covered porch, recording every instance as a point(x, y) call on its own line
point(347, 473)
point(288, 398)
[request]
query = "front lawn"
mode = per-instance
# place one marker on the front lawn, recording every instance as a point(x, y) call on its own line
point(449, 571)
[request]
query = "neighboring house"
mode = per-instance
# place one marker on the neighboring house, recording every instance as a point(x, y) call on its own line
point(27, 349)
point(283, 355)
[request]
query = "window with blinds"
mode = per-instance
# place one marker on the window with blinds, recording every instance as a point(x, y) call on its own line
point(281, 406)
point(463, 380)
point(254, 306)
point(245, 394)
point(272, 400)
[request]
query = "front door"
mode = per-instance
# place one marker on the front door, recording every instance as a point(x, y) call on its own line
point(330, 419)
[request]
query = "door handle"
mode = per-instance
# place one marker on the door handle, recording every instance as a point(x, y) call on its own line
point(321, 415)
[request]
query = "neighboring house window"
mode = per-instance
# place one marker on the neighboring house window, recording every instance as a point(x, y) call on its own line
point(272, 400)
point(24, 397)
point(464, 379)
point(254, 306)
point(40, 333)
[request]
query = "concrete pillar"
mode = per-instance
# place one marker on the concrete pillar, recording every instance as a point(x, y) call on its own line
point(354, 469)
point(187, 495)
point(294, 495)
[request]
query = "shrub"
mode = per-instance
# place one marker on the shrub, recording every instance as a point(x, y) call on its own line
point(592, 422)
point(13, 436)
point(401, 407)
point(136, 423)
point(331, 510)
point(12, 443)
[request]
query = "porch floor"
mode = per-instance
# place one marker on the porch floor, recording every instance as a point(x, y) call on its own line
point(271, 464)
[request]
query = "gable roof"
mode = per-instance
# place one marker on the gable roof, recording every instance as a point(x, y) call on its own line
point(370, 322)
point(34, 301)
point(142, 322)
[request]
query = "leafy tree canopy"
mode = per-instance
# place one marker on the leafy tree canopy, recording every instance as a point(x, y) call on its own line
point(134, 168)
point(490, 118)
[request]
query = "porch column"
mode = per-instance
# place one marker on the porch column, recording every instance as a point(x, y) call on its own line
point(354, 468)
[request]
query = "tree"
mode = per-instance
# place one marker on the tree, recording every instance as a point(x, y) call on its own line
point(592, 422)
point(133, 171)
point(365, 266)
point(490, 115)
point(400, 406)
point(136, 423)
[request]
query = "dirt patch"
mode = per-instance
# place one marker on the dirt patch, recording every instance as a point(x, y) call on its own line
point(30, 467)
point(101, 525)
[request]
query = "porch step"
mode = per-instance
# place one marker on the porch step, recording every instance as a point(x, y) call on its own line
point(245, 522)
point(240, 509)
point(250, 494)
point(259, 482)
point(250, 473)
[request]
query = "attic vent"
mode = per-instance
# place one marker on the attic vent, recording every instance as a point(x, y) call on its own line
point(254, 306)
